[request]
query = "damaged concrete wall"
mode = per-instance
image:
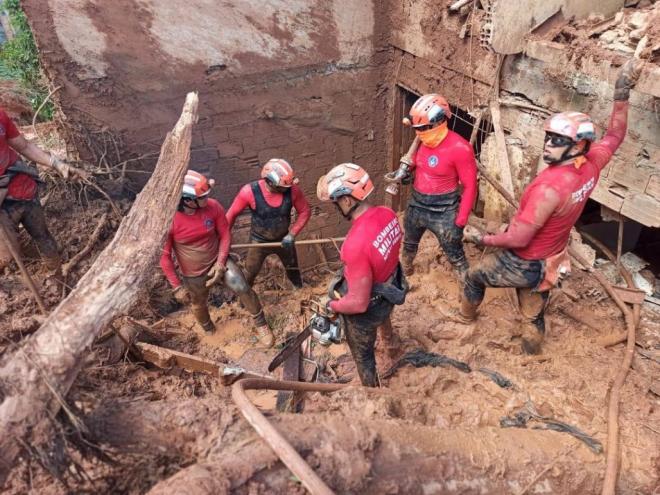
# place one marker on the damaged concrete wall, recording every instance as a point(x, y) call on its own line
point(296, 79)
point(508, 23)
point(437, 51)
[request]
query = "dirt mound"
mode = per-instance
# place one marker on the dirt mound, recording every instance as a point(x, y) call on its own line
point(429, 430)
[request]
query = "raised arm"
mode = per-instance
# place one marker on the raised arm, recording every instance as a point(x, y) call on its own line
point(601, 152)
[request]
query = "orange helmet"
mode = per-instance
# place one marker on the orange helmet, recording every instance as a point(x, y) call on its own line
point(345, 179)
point(428, 110)
point(279, 173)
point(573, 125)
point(196, 186)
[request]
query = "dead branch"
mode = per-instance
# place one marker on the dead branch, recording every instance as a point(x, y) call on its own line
point(43, 103)
point(105, 195)
point(85, 251)
point(47, 363)
point(12, 246)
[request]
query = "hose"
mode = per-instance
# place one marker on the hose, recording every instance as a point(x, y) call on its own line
point(287, 454)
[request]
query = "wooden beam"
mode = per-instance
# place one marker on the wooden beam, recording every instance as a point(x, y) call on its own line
point(166, 358)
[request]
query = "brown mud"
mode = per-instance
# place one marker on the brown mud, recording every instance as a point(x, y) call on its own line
point(422, 422)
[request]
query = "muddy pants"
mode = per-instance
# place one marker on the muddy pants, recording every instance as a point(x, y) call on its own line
point(361, 331)
point(505, 269)
point(235, 281)
point(31, 216)
point(441, 223)
point(288, 256)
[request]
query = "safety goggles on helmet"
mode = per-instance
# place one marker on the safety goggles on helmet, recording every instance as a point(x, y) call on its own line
point(557, 140)
point(426, 127)
point(428, 111)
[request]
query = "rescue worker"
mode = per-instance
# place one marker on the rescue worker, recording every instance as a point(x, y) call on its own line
point(443, 161)
point(271, 199)
point(534, 246)
point(19, 202)
point(200, 240)
point(371, 281)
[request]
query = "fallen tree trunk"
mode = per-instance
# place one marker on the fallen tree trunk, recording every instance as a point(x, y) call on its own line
point(352, 453)
point(35, 377)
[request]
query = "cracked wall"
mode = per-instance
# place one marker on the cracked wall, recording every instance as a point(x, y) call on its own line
point(294, 79)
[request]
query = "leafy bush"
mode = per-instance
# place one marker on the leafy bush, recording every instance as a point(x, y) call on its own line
point(19, 59)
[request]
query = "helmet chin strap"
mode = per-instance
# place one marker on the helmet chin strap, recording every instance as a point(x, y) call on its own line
point(348, 214)
point(565, 156)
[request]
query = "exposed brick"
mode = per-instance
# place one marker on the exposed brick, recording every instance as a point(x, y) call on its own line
point(230, 149)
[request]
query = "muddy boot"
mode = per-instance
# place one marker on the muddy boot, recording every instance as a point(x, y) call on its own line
point(407, 263)
point(532, 338)
point(264, 333)
point(460, 274)
point(201, 313)
point(468, 311)
point(208, 327)
point(56, 280)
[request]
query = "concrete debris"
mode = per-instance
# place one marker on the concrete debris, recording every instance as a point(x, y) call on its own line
point(623, 34)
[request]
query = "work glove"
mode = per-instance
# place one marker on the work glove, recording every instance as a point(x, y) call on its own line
point(216, 273)
point(627, 79)
point(66, 170)
point(288, 241)
point(324, 303)
point(473, 235)
point(400, 174)
point(181, 295)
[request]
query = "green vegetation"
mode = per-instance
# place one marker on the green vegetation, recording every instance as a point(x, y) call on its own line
point(19, 59)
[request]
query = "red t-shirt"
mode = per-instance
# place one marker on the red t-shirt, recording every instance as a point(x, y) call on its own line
point(370, 255)
point(245, 199)
point(196, 241)
point(573, 186)
point(439, 170)
point(21, 186)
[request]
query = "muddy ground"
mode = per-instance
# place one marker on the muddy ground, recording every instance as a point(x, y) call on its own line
point(429, 430)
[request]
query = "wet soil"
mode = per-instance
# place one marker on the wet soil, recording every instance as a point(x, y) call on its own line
point(420, 414)
point(569, 382)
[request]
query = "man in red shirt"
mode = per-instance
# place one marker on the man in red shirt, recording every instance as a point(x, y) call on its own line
point(19, 203)
point(199, 239)
point(443, 161)
point(271, 200)
point(371, 280)
point(535, 243)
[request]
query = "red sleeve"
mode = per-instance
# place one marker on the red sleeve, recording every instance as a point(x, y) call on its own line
point(167, 264)
point(244, 199)
point(224, 233)
point(466, 167)
point(414, 160)
point(11, 131)
point(302, 208)
point(518, 235)
point(538, 208)
point(357, 272)
point(601, 152)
